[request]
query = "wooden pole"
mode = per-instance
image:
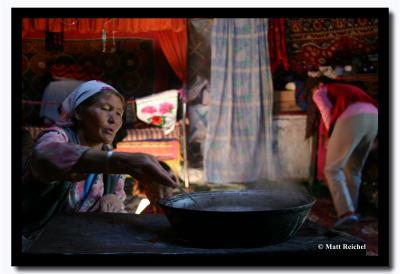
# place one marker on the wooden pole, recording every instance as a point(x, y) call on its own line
point(185, 159)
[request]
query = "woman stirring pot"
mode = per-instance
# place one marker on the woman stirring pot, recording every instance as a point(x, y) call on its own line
point(72, 167)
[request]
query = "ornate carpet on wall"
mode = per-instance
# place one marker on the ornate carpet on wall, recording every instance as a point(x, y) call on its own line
point(329, 41)
point(128, 66)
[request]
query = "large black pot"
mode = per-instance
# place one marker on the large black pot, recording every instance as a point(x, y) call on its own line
point(239, 217)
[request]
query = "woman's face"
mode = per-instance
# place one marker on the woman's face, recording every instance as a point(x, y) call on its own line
point(101, 121)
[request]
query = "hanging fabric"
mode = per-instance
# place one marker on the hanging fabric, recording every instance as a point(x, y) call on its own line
point(95, 25)
point(88, 185)
point(159, 110)
point(174, 47)
point(277, 44)
point(54, 41)
point(171, 33)
point(239, 145)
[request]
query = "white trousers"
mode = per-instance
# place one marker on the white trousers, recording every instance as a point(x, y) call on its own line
point(348, 149)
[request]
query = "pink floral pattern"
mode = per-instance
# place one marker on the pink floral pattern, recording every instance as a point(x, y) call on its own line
point(159, 110)
point(166, 107)
point(149, 110)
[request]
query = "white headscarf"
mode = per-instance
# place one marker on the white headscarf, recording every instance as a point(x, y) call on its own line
point(80, 94)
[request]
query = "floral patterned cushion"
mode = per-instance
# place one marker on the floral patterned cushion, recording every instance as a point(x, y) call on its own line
point(159, 109)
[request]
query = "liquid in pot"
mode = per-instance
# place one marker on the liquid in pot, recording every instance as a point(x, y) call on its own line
point(232, 208)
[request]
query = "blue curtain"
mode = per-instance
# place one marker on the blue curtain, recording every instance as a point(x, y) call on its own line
point(238, 146)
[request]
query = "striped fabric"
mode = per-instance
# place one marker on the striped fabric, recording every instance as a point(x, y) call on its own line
point(163, 150)
point(167, 151)
point(152, 134)
point(239, 144)
point(141, 134)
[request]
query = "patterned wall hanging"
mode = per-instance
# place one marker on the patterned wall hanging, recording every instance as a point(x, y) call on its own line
point(54, 41)
point(329, 41)
point(130, 68)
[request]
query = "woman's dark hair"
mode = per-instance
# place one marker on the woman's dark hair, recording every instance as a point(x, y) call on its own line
point(313, 114)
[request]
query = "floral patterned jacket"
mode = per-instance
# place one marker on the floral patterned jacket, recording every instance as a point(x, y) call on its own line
point(50, 187)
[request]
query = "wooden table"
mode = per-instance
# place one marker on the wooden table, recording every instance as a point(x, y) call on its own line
point(121, 235)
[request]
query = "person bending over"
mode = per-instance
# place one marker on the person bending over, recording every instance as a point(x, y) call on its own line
point(350, 117)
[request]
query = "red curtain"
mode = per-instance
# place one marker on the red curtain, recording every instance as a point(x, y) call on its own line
point(90, 25)
point(277, 43)
point(171, 33)
point(174, 47)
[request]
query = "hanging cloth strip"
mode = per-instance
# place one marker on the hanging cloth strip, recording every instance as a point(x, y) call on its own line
point(159, 110)
point(88, 185)
point(239, 144)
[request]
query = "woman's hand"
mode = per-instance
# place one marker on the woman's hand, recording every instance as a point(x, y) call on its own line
point(154, 192)
point(143, 167)
point(109, 203)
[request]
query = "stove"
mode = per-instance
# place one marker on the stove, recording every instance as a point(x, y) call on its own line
point(121, 234)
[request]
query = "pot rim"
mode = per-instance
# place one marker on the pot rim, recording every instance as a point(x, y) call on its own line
point(167, 201)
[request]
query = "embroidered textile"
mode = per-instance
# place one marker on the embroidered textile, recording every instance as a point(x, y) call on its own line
point(314, 42)
point(159, 109)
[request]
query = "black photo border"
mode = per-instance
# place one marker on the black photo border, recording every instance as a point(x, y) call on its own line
point(385, 156)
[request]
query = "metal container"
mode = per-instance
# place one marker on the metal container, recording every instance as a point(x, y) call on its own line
point(239, 217)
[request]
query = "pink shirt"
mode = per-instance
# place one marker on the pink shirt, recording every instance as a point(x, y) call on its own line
point(324, 105)
point(53, 160)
